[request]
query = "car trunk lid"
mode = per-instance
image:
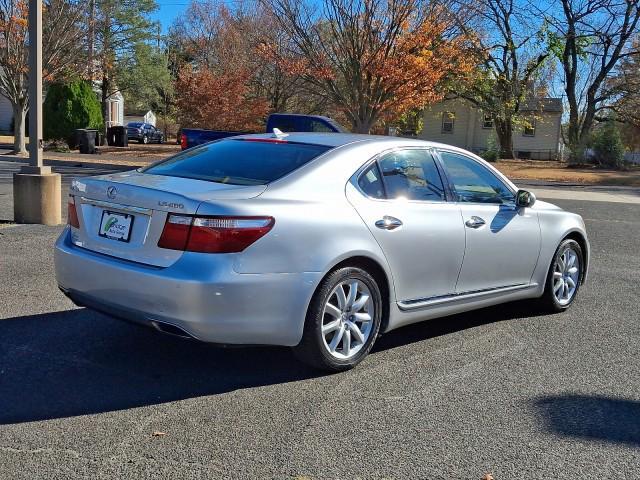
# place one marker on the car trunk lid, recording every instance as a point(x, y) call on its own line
point(123, 214)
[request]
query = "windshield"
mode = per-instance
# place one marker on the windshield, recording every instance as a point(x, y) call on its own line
point(239, 161)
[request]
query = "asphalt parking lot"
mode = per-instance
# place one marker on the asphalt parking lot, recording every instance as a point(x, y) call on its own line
point(502, 391)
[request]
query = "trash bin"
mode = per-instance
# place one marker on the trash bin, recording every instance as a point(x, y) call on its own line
point(74, 141)
point(92, 136)
point(86, 140)
point(117, 136)
point(121, 139)
point(110, 137)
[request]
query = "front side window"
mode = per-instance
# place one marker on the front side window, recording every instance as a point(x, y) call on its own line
point(411, 174)
point(448, 119)
point(239, 162)
point(473, 182)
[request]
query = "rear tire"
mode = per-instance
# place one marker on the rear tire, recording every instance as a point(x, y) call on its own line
point(564, 277)
point(341, 325)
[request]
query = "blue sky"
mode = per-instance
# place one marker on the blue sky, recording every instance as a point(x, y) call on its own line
point(168, 10)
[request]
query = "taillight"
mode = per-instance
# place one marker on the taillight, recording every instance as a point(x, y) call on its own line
point(176, 232)
point(213, 234)
point(183, 141)
point(72, 213)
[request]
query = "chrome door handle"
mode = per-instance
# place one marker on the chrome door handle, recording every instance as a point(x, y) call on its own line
point(475, 222)
point(388, 223)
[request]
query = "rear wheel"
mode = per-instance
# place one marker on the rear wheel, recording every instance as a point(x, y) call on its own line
point(342, 322)
point(145, 140)
point(564, 278)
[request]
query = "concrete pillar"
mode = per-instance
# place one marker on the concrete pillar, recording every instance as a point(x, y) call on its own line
point(36, 191)
point(37, 196)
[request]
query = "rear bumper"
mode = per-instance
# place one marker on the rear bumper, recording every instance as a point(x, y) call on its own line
point(200, 294)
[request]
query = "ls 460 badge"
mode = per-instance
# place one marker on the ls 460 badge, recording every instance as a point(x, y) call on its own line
point(170, 204)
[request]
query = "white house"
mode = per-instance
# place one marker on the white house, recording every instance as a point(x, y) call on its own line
point(6, 115)
point(148, 117)
point(115, 109)
point(457, 122)
point(116, 112)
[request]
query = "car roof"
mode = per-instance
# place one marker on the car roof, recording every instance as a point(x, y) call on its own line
point(333, 140)
point(330, 139)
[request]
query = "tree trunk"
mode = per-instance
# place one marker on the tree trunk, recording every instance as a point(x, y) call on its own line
point(504, 132)
point(104, 101)
point(362, 122)
point(19, 128)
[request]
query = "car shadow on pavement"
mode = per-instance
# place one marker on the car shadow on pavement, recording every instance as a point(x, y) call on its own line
point(443, 326)
point(591, 417)
point(79, 362)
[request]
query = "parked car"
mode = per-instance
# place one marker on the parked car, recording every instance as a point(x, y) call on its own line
point(144, 133)
point(320, 242)
point(285, 122)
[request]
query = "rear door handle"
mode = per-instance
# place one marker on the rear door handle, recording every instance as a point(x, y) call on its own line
point(475, 222)
point(388, 223)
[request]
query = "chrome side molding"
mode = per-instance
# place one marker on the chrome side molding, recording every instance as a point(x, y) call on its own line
point(419, 303)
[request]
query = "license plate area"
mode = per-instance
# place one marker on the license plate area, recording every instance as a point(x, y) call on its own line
point(116, 226)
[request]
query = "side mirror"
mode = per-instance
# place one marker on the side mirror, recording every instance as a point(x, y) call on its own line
point(525, 198)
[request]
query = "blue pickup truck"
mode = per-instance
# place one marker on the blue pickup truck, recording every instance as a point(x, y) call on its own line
point(285, 122)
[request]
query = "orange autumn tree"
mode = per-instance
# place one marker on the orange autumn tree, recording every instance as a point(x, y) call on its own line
point(218, 101)
point(373, 59)
point(215, 84)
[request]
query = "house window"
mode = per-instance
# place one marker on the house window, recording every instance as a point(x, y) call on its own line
point(447, 122)
point(487, 121)
point(529, 129)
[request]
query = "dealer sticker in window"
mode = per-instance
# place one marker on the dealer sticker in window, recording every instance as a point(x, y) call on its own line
point(116, 226)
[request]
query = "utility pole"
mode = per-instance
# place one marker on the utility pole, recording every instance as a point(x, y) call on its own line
point(92, 38)
point(35, 83)
point(36, 191)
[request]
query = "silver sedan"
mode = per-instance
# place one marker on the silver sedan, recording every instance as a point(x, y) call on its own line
point(321, 242)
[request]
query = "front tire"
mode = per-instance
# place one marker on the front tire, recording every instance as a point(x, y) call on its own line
point(564, 278)
point(342, 322)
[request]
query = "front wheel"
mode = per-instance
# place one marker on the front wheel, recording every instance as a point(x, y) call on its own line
point(342, 322)
point(564, 277)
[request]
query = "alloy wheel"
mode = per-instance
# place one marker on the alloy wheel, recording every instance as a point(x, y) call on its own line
point(347, 319)
point(566, 275)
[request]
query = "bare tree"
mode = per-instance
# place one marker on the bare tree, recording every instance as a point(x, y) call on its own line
point(371, 58)
point(62, 34)
point(590, 38)
point(509, 57)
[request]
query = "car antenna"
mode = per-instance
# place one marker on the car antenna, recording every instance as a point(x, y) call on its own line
point(277, 133)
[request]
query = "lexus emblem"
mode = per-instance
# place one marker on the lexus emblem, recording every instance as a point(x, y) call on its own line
point(112, 192)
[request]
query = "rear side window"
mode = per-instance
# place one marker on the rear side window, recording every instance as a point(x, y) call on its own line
point(239, 162)
point(412, 174)
point(370, 182)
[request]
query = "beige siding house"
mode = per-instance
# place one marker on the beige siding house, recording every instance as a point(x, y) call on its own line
point(456, 122)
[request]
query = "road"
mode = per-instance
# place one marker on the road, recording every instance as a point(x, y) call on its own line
point(503, 390)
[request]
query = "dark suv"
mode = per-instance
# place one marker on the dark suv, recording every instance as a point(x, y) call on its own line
point(144, 133)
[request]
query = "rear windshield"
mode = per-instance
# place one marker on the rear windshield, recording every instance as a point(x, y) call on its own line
point(239, 162)
point(134, 124)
